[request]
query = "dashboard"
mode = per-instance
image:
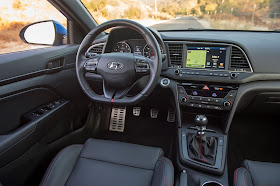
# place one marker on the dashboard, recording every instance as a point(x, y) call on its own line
point(214, 70)
point(211, 56)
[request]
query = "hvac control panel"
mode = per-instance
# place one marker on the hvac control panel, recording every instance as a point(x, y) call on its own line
point(217, 97)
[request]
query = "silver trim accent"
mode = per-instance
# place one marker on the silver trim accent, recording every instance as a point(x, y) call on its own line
point(226, 44)
point(98, 44)
point(212, 182)
point(136, 111)
point(245, 57)
point(154, 113)
point(206, 130)
point(165, 85)
point(117, 120)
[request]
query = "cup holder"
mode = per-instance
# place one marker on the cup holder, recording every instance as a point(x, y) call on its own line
point(212, 183)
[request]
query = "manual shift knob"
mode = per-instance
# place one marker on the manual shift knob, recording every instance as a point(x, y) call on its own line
point(201, 120)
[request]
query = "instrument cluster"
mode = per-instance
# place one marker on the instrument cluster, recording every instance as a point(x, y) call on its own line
point(136, 46)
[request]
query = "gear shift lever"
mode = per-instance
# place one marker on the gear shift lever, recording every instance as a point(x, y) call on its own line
point(202, 147)
point(201, 123)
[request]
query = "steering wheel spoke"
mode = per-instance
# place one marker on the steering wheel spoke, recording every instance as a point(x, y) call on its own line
point(113, 93)
point(91, 64)
point(108, 91)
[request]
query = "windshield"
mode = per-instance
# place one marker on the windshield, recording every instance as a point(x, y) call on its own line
point(191, 14)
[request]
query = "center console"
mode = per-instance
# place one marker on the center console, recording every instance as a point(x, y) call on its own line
point(206, 89)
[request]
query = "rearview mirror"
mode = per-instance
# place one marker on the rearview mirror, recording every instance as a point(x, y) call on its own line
point(44, 33)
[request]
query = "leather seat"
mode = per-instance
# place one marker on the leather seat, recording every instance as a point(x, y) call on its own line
point(101, 162)
point(257, 173)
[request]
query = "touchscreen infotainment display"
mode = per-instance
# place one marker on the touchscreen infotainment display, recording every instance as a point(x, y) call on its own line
point(206, 57)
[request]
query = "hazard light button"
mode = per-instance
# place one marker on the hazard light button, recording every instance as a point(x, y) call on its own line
point(205, 88)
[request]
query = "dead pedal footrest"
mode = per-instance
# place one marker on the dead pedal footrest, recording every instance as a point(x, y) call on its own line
point(117, 120)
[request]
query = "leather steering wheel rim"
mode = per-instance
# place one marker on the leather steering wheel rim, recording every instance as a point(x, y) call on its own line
point(154, 69)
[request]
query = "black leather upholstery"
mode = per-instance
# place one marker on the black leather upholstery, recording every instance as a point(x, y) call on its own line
point(100, 162)
point(257, 173)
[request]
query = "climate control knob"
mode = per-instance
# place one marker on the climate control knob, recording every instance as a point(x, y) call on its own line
point(184, 99)
point(227, 103)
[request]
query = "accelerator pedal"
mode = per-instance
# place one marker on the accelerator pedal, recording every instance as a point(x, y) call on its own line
point(154, 113)
point(136, 111)
point(117, 120)
point(171, 116)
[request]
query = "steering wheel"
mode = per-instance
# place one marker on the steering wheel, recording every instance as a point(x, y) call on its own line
point(120, 71)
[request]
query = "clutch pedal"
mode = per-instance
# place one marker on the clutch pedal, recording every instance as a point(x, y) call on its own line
point(117, 120)
point(136, 111)
point(171, 116)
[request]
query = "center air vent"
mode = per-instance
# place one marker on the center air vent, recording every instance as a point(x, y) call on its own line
point(239, 62)
point(97, 48)
point(176, 54)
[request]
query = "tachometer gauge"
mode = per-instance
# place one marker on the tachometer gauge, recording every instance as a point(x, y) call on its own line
point(122, 47)
point(149, 53)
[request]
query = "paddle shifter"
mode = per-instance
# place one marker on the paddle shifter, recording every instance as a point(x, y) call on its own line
point(201, 122)
point(202, 147)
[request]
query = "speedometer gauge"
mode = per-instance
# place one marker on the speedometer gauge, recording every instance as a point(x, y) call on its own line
point(122, 47)
point(149, 53)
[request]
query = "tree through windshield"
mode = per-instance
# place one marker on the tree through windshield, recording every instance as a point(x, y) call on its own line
point(191, 14)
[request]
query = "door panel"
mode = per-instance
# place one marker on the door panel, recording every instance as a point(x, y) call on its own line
point(40, 99)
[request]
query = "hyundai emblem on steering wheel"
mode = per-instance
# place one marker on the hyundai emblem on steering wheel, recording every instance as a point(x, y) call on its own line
point(115, 65)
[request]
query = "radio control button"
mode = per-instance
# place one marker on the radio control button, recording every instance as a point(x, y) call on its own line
point(217, 100)
point(177, 72)
point(231, 94)
point(181, 89)
point(217, 108)
point(207, 99)
point(193, 105)
point(199, 98)
point(192, 98)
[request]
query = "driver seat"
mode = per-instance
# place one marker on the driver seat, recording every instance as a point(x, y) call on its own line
point(102, 162)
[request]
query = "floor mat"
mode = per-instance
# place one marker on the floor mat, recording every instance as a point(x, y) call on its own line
point(252, 138)
point(145, 130)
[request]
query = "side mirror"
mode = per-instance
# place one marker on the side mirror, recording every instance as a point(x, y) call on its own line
point(47, 32)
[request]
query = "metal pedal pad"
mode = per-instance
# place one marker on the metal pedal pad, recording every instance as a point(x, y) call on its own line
point(171, 116)
point(154, 113)
point(117, 120)
point(136, 111)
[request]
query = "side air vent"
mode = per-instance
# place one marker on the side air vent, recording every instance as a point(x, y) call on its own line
point(239, 62)
point(176, 54)
point(97, 48)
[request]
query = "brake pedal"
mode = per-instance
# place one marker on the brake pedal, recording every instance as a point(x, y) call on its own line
point(154, 113)
point(117, 120)
point(171, 116)
point(136, 111)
